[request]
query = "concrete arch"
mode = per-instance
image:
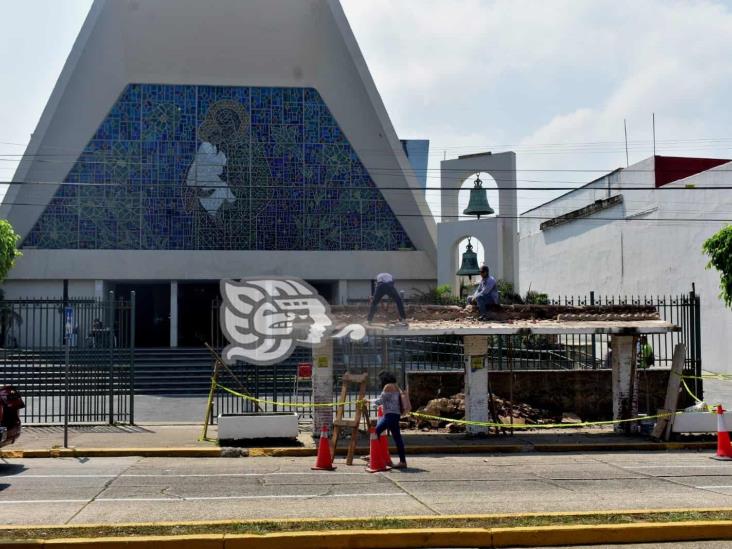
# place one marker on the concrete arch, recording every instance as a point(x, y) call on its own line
point(501, 167)
point(450, 235)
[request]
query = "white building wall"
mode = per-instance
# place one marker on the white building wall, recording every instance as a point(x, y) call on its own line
point(625, 257)
point(33, 289)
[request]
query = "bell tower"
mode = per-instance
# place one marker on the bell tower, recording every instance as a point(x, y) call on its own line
point(498, 235)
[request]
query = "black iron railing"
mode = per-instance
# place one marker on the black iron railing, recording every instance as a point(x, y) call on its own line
point(84, 370)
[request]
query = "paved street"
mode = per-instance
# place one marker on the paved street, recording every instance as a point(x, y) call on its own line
point(90, 490)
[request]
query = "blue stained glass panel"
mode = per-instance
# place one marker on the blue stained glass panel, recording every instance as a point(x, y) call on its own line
point(181, 167)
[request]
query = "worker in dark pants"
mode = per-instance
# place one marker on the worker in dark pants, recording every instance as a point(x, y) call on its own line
point(384, 287)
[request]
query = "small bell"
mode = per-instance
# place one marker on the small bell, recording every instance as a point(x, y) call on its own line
point(478, 204)
point(469, 265)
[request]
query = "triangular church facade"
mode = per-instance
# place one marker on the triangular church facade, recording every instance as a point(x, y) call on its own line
point(194, 141)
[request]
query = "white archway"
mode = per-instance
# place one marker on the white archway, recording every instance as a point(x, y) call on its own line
point(459, 248)
point(450, 236)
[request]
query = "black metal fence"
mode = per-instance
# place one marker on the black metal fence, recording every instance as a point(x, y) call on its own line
point(100, 378)
point(85, 370)
point(683, 310)
point(536, 352)
point(273, 384)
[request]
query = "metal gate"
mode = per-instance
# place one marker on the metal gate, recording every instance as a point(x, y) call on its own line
point(91, 370)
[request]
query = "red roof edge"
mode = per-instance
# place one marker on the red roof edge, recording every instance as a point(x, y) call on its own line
point(672, 168)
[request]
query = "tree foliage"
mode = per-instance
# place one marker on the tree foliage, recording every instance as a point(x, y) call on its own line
point(8, 248)
point(719, 249)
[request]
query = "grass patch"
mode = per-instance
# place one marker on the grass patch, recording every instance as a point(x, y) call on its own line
point(261, 527)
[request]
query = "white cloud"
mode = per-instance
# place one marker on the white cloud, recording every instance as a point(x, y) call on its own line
point(470, 74)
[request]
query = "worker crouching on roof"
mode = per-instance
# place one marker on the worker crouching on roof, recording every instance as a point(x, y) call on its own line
point(485, 294)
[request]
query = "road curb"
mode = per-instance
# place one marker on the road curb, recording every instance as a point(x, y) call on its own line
point(540, 536)
point(335, 520)
point(645, 532)
point(111, 452)
point(624, 446)
point(311, 452)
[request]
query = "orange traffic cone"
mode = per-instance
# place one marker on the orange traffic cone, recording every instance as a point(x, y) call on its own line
point(324, 461)
point(724, 448)
point(384, 441)
point(376, 463)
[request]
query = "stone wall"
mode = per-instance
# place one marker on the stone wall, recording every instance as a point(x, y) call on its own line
point(587, 393)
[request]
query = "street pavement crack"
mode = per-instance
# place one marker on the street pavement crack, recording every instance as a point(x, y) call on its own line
point(410, 494)
point(166, 492)
point(106, 485)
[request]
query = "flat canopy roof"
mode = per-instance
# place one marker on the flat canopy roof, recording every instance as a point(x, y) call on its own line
point(525, 327)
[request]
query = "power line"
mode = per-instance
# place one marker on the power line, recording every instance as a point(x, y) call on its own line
point(438, 149)
point(476, 169)
point(517, 217)
point(375, 187)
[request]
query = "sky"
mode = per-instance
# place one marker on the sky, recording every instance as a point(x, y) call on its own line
point(551, 80)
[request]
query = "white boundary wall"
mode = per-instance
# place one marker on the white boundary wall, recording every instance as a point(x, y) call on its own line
point(624, 257)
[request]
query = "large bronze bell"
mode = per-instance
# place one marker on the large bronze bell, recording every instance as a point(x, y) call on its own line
point(478, 204)
point(469, 266)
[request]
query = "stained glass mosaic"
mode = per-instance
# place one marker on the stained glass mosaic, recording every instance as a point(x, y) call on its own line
point(218, 168)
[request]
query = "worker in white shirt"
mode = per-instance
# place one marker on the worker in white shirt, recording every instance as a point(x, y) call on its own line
point(384, 287)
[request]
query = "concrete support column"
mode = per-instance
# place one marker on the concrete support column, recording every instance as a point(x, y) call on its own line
point(173, 313)
point(623, 379)
point(476, 382)
point(99, 289)
point(323, 385)
point(342, 292)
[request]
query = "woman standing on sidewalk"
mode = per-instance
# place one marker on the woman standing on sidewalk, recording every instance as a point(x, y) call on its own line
point(391, 401)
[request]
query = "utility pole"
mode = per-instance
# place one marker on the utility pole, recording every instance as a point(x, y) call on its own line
point(625, 127)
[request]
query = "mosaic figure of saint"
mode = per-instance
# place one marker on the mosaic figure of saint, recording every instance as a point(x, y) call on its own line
point(224, 127)
point(205, 172)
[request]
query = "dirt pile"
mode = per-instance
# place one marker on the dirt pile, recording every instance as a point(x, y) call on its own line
point(454, 408)
point(347, 314)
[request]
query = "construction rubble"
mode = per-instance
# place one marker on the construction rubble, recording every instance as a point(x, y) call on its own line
point(454, 408)
point(347, 314)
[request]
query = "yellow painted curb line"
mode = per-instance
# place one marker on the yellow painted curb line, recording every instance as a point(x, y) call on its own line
point(645, 532)
point(364, 539)
point(540, 536)
point(424, 518)
point(483, 516)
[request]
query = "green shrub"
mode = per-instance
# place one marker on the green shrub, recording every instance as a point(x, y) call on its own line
point(8, 248)
point(719, 249)
point(536, 298)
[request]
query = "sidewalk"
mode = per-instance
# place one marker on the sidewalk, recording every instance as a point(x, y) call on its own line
point(159, 437)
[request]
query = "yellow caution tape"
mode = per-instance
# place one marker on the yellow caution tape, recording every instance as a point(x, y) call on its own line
point(708, 407)
point(461, 421)
point(289, 404)
point(718, 377)
point(541, 425)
